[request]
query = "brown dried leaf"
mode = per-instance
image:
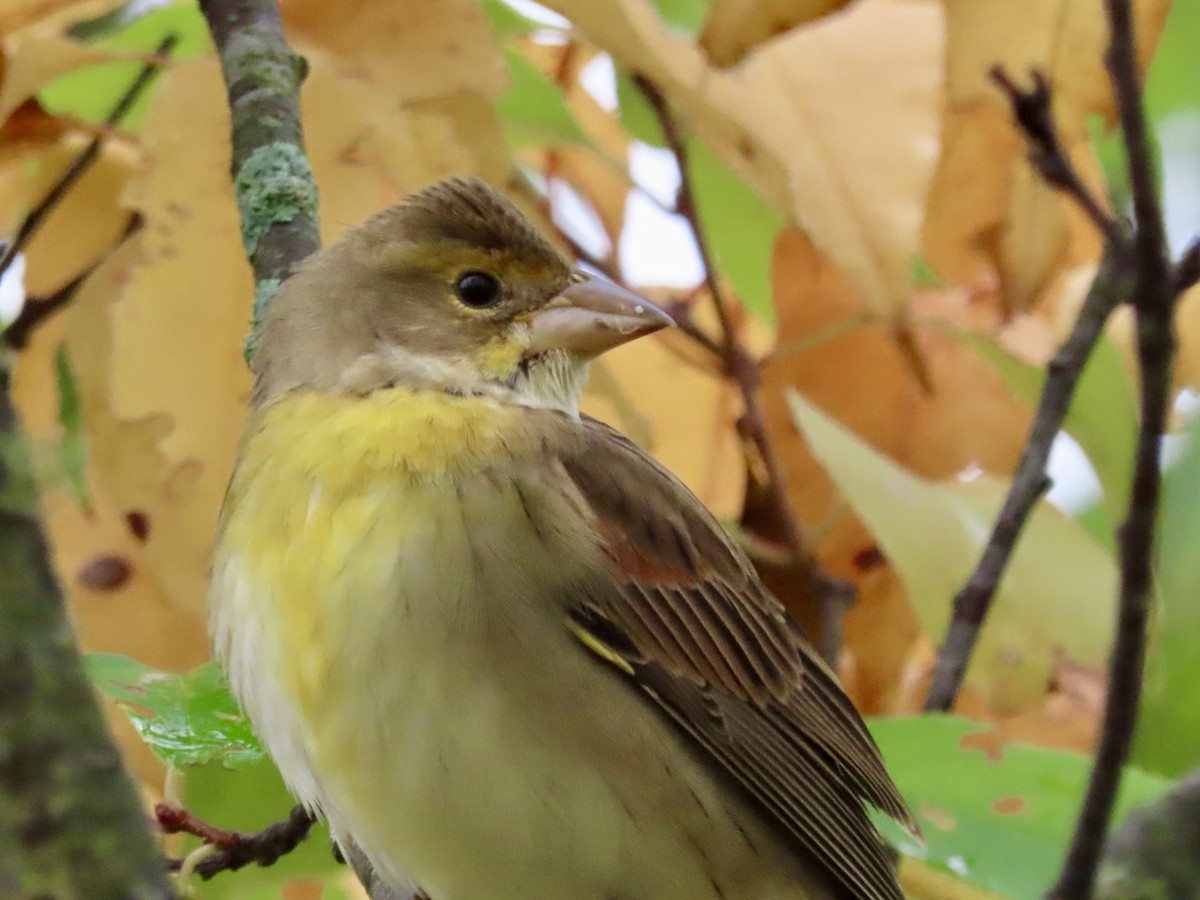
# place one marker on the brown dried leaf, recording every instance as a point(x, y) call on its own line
point(735, 27)
point(988, 210)
point(803, 120)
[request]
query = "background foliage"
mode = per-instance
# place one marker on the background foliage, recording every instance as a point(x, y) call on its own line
point(901, 269)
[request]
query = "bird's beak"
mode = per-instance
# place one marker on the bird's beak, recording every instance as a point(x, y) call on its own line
point(591, 316)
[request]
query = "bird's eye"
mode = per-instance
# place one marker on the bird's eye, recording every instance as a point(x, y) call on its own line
point(478, 290)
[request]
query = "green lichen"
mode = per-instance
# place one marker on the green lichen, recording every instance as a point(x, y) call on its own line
point(254, 56)
point(264, 295)
point(274, 186)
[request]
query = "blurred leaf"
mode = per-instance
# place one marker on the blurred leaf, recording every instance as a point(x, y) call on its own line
point(740, 225)
point(91, 92)
point(73, 450)
point(506, 21)
point(1002, 824)
point(636, 115)
point(248, 800)
point(187, 720)
point(534, 111)
point(1055, 596)
point(1103, 414)
point(736, 27)
point(922, 273)
point(1168, 732)
point(684, 16)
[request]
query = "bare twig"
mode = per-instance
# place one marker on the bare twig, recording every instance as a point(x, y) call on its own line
point(37, 309)
point(831, 595)
point(1155, 296)
point(87, 156)
point(235, 849)
point(1111, 288)
point(1033, 112)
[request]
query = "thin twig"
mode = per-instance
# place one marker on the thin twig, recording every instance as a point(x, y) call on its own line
point(1033, 111)
point(1110, 289)
point(38, 309)
point(1155, 296)
point(87, 156)
point(831, 595)
point(235, 849)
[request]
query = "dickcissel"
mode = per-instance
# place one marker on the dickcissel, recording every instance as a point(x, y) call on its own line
point(502, 650)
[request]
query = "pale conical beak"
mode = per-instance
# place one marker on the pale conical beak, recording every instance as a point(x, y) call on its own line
point(592, 316)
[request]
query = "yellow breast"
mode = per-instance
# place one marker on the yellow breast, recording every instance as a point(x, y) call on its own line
point(325, 492)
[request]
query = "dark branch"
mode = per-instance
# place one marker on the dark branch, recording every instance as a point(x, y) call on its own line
point(831, 595)
point(1032, 110)
point(236, 849)
point(1112, 287)
point(87, 156)
point(38, 309)
point(1155, 294)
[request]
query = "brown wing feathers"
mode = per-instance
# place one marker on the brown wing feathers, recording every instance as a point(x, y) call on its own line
point(720, 658)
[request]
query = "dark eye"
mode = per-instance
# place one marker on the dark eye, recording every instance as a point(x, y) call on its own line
point(478, 289)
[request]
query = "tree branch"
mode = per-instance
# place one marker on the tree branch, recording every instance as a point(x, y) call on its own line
point(89, 154)
point(1112, 286)
point(235, 849)
point(276, 191)
point(831, 595)
point(1155, 295)
point(72, 821)
point(72, 816)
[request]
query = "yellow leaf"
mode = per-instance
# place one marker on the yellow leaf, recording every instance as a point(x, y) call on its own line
point(735, 27)
point(1056, 596)
point(989, 211)
point(804, 120)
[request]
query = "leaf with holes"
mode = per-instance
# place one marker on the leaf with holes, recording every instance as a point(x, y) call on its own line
point(980, 811)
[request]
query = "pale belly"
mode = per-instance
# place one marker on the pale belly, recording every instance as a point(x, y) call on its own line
point(438, 711)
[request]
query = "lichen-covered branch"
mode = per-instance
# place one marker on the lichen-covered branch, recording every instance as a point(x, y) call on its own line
point(276, 191)
point(71, 823)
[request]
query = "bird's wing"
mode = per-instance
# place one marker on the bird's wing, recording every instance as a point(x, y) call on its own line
point(685, 617)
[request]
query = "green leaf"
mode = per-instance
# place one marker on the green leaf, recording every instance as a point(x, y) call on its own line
point(534, 111)
point(1168, 732)
point(1003, 824)
point(73, 449)
point(923, 275)
point(636, 114)
point(91, 92)
point(248, 800)
point(685, 17)
point(1056, 595)
point(187, 720)
point(1102, 417)
point(741, 227)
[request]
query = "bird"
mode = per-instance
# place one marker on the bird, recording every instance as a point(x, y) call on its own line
point(502, 650)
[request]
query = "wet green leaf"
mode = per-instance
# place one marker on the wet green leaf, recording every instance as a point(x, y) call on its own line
point(187, 720)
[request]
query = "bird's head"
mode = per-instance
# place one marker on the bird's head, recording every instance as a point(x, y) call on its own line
point(452, 290)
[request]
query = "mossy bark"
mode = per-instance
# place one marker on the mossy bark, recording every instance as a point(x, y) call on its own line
point(71, 824)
